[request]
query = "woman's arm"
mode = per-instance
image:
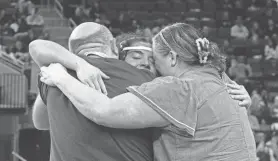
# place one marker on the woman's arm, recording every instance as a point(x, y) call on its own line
point(45, 52)
point(124, 111)
point(40, 115)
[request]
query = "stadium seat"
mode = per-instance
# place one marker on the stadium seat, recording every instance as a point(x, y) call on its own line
point(254, 15)
point(275, 15)
point(208, 22)
point(240, 43)
point(148, 23)
point(118, 6)
point(207, 15)
point(224, 32)
point(134, 6)
point(270, 67)
point(156, 15)
point(148, 6)
point(7, 40)
point(194, 22)
point(209, 6)
point(163, 6)
point(141, 15)
point(193, 5)
point(257, 49)
point(176, 16)
point(192, 14)
point(179, 7)
point(256, 65)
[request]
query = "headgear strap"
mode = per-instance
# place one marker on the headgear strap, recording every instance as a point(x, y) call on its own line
point(137, 48)
point(165, 42)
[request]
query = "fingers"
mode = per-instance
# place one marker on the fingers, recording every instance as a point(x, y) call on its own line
point(97, 86)
point(234, 86)
point(104, 75)
point(239, 97)
point(102, 86)
point(243, 103)
point(236, 92)
point(90, 84)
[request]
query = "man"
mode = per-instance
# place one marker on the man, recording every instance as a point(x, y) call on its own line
point(73, 136)
point(126, 144)
point(239, 31)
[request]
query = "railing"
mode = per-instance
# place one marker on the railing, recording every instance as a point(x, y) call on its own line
point(72, 23)
point(9, 62)
point(59, 8)
point(18, 156)
point(13, 93)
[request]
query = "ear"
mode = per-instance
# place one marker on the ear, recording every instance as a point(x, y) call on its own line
point(173, 57)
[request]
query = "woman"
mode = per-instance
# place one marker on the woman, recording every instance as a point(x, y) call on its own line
point(270, 50)
point(193, 116)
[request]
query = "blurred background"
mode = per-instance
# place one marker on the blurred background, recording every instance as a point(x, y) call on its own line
point(246, 30)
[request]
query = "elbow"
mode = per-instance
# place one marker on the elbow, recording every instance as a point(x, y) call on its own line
point(40, 125)
point(35, 47)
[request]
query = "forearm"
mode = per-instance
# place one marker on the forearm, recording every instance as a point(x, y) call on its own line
point(40, 115)
point(45, 52)
point(123, 111)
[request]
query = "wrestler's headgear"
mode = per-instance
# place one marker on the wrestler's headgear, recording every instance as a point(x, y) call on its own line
point(91, 38)
point(126, 45)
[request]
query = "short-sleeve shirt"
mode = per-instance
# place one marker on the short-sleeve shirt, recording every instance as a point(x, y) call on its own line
point(206, 123)
point(76, 138)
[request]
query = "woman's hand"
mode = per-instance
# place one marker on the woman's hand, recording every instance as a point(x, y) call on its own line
point(238, 92)
point(50, 75)
point(91, 76)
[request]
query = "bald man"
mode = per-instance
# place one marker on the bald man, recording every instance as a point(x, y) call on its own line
point(73, 136)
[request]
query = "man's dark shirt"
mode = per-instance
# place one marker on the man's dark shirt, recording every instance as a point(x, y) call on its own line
point(76, 138)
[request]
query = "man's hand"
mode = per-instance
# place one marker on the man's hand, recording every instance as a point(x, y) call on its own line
point(238, 92)
point(91, 76)
point(50, 75)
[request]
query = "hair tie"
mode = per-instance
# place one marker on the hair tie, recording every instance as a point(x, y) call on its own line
point(202, 44)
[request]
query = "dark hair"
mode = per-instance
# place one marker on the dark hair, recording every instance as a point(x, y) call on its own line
point(127, 40)
point(181, 39)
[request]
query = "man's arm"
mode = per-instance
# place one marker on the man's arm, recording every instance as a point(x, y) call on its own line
point(40, 115)
point(45, 52)
point(124, 111)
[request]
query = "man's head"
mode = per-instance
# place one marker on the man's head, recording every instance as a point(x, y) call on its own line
point(90, 38)
point(136, 50)
point(239, 21)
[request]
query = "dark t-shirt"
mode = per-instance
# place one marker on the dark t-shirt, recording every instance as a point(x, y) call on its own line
point(76, 138)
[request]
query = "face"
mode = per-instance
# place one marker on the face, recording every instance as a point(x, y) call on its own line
point(141, 59)
point(162, 63)
point(255, 25)
point(270, 22)
point(18, 44)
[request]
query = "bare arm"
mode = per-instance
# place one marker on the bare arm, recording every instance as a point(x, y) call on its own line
point(124, 111)
point(45, 52)
point(40, 115)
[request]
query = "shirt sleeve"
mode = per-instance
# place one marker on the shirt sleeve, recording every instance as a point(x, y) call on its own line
point(173, 99)
point(43, 90)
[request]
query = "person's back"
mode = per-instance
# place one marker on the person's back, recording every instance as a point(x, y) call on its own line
point(221, 122)
point(74, 137)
